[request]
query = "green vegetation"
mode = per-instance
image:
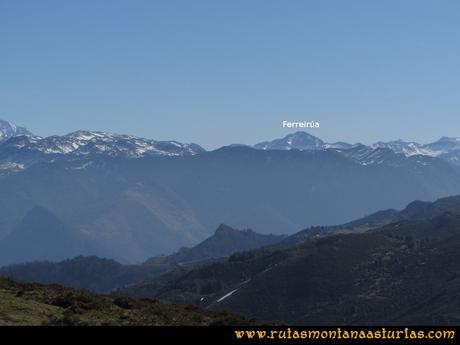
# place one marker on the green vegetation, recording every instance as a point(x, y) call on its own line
point(35, 304)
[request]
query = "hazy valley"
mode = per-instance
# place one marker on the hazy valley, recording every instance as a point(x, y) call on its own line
point(128, 198)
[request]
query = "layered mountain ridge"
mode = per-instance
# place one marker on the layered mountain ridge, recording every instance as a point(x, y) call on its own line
point(20, 149)
point(130, 199)
point(391, 267)
point(103, 275)
point(405, 272)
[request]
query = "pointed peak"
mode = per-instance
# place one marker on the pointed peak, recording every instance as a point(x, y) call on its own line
point(223, 228)
point(301, 134)
point(39, 211)
point(10, 130)
point(299, 140)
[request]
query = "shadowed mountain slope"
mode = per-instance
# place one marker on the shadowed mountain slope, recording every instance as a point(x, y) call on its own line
point(41, 235)
point(405, 272)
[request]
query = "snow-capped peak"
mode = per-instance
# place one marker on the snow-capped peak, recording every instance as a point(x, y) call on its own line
point(298, 140)
point(9, 130)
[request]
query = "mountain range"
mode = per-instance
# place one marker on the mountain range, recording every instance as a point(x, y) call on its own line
point(445, 148)
point(129, 199)
point(19, 148)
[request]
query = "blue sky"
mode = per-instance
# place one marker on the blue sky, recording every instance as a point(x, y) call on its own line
point(220, 72)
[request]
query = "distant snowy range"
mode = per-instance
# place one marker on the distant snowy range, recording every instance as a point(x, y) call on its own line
point(19, 148)
point(129, 198)
point(445, 148)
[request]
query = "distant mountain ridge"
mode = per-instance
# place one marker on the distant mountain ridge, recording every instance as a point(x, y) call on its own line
point(418, 219)
point(445, 148)
point(20, 149)
point(83, 143)
point(82, 272)
point(103, 275)
point(416, 210)
point(225, 242)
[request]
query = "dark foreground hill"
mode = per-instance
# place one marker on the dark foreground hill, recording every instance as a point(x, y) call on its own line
point(34, 304)
point(354, 279)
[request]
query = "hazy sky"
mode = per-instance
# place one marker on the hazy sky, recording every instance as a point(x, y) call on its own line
point(219, 72)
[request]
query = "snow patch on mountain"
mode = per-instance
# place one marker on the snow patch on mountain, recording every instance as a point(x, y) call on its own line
point(406, 148)
point(297, 140)
point(226, 296)
point(83, 143)
point(18, 152)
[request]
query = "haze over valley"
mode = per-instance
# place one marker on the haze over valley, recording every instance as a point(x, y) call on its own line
point(128, 198)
